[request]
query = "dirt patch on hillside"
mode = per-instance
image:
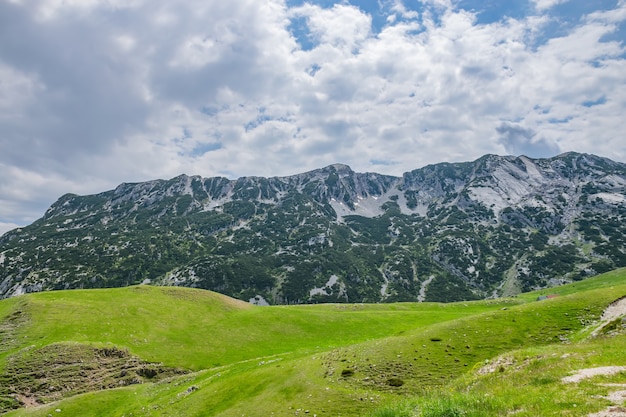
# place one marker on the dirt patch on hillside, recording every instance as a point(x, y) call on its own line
point(37, 376)
point(612, 319)
point(615, 310)
point(617, 397)
point(591, 372)
point(10, 326)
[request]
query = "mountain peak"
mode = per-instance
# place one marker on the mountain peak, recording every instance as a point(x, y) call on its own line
point(444, 232)
point(343, 168)
point(339, 169)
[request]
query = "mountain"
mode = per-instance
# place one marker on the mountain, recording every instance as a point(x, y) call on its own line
point(451, 231)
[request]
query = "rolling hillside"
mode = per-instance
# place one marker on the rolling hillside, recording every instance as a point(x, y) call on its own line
point(157, 351)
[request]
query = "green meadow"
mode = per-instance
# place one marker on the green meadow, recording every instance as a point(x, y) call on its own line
point(169, 351)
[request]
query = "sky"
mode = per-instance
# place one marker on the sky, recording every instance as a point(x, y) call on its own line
point(94, 93)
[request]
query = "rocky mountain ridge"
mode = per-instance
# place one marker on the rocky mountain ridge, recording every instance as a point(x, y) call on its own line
point(445, 232)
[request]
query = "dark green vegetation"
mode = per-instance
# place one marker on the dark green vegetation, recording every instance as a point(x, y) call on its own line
point(446, 232)
point(187, 352)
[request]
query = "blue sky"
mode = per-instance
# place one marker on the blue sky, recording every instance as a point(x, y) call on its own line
point(94, 93)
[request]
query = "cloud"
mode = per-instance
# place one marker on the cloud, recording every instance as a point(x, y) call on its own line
point(518, 140)
point(541, 5)
point(5, 227)
point(340, 26)
point(96, 93)
point(399, 7)
point(70, 104)
point(26, 193)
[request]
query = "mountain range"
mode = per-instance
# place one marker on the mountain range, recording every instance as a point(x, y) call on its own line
point(492, 227)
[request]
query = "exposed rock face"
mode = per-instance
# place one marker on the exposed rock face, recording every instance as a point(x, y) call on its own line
point(446, 232)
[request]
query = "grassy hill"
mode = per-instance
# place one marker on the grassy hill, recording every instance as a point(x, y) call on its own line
point(165, 351)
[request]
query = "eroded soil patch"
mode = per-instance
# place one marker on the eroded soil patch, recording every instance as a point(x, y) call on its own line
point(591, 372)
point(38, 376)
point(9, 328)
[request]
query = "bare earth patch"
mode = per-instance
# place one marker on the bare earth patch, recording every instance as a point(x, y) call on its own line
point(611, 412)
point(616, 397)
point(38, 376)
point(591, 372)
point(613, 312)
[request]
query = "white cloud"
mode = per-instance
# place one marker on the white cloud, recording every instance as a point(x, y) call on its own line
point(339, 26)
point(399, 7)
point(17, 91)
point(442, 4)
point(197, 52)
point(542, 5)
point(23, 191)
point(518, 140)
point(616, 15)
point(55, 9)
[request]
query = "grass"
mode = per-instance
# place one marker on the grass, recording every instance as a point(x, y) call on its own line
point(525, 382)
point(405, 359)
point(529, 384)
point(203, 329)
point(607, 280)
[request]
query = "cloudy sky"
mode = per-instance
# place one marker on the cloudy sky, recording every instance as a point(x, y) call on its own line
point(94, 93)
